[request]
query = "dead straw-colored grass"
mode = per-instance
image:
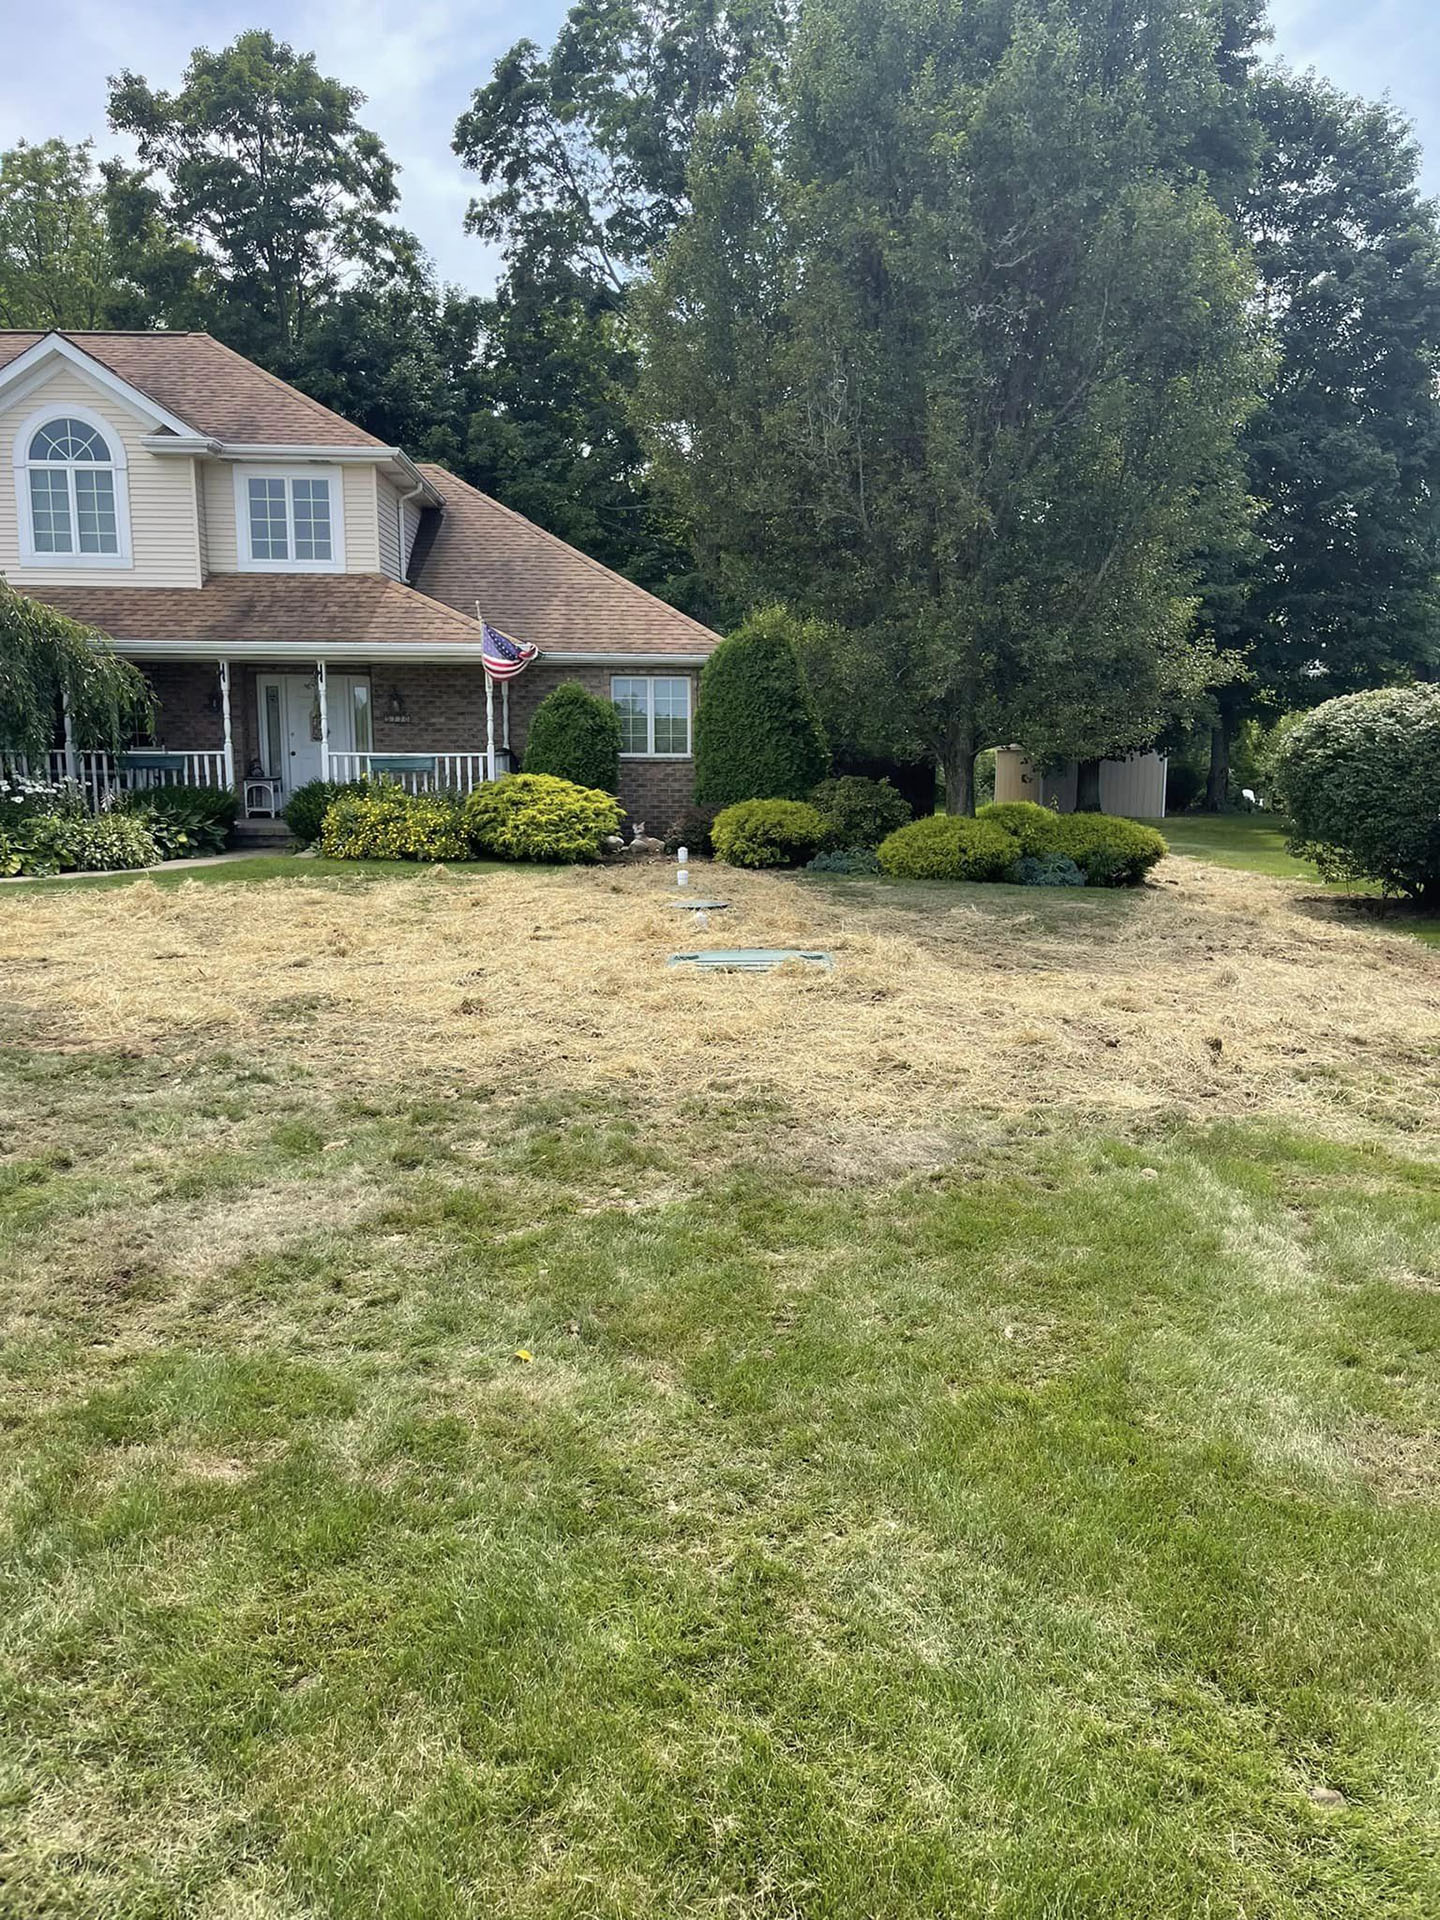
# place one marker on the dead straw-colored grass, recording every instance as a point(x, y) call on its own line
point(1212, 993)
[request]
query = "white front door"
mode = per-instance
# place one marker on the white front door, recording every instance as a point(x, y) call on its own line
point(290, 722)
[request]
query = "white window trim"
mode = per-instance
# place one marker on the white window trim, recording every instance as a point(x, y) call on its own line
point(119, 467)
point(650, 679)
point(247, 562)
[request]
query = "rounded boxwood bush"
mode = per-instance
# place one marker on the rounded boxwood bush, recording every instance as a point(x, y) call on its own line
point(757, 732)
point(860, 812)
point(387, 823)
point(533, 816)
point(574, 735)
point(304, 812)
point(1030, 824)
point(768, 833)
point(1360, 781)
point(947, 846)
point(1109, 851)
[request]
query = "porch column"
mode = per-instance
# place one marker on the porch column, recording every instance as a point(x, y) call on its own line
point(489, 728)
point(324, 720)
point(225, 713)
point(505, 713)
point(71, 766)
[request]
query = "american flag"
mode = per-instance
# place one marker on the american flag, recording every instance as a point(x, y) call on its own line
point(503, 658)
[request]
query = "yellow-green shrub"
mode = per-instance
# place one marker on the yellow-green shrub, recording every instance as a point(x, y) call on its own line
point(386, 823)
point(1030, 824)
point(946, 846)
point(1110, 851)
point(535, 816)
point(768, 833)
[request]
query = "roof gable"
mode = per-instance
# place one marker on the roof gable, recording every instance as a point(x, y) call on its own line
point(26, 372)
point(535, 587)
point(192, 384)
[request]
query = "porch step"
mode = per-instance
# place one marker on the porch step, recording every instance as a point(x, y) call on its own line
point(261, 833)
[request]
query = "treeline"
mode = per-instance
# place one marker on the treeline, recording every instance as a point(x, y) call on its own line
point(1068, 370)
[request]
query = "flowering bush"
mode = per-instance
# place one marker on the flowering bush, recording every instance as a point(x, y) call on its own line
point(44, 828)
point(387, 823)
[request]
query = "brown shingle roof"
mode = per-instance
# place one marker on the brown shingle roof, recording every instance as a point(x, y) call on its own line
point(212, 389)
point(536, 588)
point(363, 609)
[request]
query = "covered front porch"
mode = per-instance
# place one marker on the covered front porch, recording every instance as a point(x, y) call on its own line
point(263, 728)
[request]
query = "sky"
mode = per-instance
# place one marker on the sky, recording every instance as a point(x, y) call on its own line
point(418, 63)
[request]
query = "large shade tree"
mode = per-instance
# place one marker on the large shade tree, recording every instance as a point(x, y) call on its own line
point(55, 264)
point(953, 348)
point(1340, 592)
point(581, 152)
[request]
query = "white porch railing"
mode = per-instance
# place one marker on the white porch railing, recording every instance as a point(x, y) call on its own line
point(416, 772)
point(103, 774)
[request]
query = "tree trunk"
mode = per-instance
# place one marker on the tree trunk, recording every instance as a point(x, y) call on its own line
point(1217, 786)
point(1087, 787)
point(959, 764)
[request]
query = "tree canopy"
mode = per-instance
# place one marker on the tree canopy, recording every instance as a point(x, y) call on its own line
point(951, 348)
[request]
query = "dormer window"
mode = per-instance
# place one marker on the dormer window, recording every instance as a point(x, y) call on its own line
point(289, 522)
point(70, 478)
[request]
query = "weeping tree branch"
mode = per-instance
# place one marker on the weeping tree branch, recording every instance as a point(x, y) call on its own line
point(47, 661)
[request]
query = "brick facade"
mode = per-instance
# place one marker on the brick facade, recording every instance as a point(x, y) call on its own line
point(443, 711)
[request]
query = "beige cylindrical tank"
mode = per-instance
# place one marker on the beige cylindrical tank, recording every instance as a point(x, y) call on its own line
point(1134, 786)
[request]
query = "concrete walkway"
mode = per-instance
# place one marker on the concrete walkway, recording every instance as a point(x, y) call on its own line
point(134, 873)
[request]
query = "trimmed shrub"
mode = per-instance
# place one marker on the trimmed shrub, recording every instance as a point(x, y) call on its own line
point(304, 812)
point(1109, 851)
point(947, 846)
point(692, 831)
point(1045, 870)
point(387, 823)
point(1359, 779)
point(186, 821)
point(1030, 824)
point(768, 833)
point(533, 816)
point(860, 813)
point(844, 860)
point(757, 732)
point(574, 735)
point(81, 843)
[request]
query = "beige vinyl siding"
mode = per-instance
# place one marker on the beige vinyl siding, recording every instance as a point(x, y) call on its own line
point(222, 552)
point(201, 516)
point(362, 516)
point(358, 505)
point(409, 527)
point(164, 532)
point(389, 521)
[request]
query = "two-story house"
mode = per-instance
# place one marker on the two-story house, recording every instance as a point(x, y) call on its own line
point(306, 601)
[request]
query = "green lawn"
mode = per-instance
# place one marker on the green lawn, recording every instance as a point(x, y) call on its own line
point(259, 866)
point(1253, 841)
point(1029, 1535)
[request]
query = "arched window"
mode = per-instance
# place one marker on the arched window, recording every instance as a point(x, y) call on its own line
point(74, 498)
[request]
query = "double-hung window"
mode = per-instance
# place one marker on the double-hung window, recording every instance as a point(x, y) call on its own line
point(71, 483)
point(289, 521)
point(654, 716)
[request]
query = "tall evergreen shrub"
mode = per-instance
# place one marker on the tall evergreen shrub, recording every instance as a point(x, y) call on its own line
point(757, 732)
point(575, 736)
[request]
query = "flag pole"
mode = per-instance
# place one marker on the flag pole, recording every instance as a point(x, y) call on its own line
point(489, 703)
